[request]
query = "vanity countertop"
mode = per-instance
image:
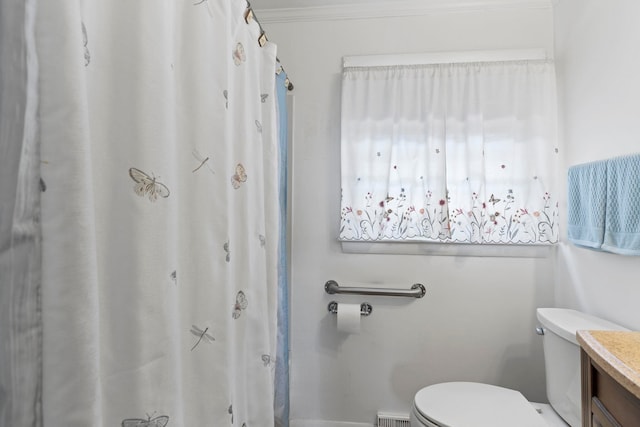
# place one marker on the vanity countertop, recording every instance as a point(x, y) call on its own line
point(618, 353)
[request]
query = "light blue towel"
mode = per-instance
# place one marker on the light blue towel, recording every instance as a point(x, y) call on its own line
point(622, 227)
point(586, 201)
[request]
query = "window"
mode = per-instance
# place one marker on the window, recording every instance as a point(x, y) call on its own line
point(450, 153)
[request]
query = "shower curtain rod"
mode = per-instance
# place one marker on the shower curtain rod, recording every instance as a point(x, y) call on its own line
point(249, 15)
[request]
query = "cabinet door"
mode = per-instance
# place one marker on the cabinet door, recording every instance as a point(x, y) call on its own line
point(605, 402)
point(601, 417)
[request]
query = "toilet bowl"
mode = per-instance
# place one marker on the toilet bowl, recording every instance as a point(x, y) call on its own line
point(497, 406)
point(458, 404)
point(468, 404)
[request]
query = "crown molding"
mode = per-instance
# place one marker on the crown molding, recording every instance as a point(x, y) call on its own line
point(391, 9)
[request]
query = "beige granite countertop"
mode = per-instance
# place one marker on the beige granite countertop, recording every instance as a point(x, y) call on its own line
point(617, 352)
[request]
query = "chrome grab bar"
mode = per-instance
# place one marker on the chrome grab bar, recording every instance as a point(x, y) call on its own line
point(417, 290)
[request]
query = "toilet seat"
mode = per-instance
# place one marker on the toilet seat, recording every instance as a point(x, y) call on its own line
point(465, 404)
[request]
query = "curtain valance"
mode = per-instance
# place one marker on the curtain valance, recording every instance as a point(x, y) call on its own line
point(450, 153)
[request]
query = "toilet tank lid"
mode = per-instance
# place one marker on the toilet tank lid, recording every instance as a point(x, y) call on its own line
point(565, 322)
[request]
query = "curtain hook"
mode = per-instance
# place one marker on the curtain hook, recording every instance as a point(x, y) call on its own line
point(248, 14)
point(262, 40)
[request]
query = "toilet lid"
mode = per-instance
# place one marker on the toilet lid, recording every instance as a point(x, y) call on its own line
point(463, 404)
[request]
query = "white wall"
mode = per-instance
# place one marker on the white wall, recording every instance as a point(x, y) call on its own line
point(478, 317)
point(598, 74)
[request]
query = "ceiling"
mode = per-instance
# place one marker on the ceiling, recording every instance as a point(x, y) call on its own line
point(314, 10)
point(285, 4)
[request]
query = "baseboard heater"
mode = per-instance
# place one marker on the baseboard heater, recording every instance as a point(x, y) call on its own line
point(392, 420)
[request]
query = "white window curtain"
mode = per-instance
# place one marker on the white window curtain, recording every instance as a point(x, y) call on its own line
point(462, 153)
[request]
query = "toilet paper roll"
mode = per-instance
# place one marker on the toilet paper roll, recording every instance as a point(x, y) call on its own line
point(349, 318)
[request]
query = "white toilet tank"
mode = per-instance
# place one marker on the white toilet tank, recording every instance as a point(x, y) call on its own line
point(562, 357)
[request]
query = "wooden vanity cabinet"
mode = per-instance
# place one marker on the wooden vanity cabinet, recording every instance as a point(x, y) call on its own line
point(609, 394)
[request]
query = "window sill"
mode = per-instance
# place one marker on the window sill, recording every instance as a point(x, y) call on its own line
point(448, 249)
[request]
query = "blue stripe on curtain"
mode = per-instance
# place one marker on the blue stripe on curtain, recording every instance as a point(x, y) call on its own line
point(281, 403)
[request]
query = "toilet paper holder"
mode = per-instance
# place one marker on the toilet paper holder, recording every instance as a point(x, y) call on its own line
point(365, 308)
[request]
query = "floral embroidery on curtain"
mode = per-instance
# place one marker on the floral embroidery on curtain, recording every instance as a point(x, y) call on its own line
point(461, 153)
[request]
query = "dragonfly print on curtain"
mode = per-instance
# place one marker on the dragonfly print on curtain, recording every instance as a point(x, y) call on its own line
point(160, 220)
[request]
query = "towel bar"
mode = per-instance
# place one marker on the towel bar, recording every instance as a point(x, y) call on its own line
point(417, 290)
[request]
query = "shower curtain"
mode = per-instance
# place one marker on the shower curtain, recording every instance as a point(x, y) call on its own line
point(20, 318)
point(160, 215)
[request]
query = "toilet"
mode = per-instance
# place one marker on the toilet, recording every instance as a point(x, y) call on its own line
point(469, 404)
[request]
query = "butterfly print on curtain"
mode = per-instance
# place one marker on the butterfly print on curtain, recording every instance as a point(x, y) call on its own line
point(85, 42)
point(238, 54)
point(241, 304)
point(147, 185)
point(227, 250)
point(239, 177)
point(268, 360)
point(160, 421)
